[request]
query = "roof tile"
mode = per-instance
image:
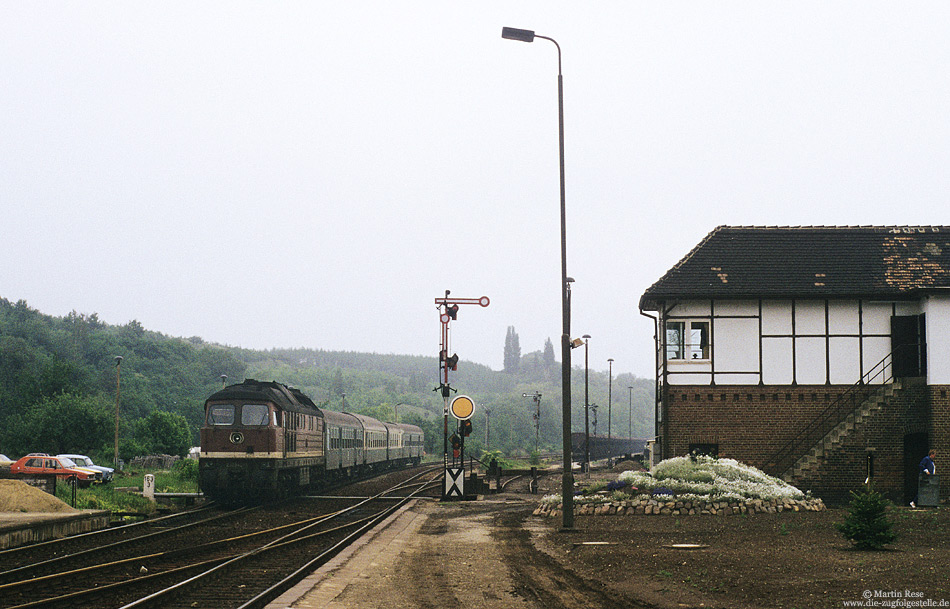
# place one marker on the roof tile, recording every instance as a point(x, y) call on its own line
point(809, 261)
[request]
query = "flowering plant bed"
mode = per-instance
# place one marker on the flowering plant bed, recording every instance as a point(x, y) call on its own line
point(690, 485)
point(686, 506)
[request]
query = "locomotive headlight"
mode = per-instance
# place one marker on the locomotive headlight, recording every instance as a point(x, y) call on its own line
point(237, 437)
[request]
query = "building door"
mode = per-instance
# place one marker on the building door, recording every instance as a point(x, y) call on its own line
point(915, 449)
point(908, 346)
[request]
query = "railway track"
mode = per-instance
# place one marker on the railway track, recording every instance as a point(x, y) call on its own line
point(242, 558)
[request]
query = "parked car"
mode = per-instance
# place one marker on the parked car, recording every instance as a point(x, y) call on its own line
point(62, 468)
point(84, 461)
point(4, 460)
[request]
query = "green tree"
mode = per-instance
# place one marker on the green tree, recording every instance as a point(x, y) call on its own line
point(548, 356)
point(163, 432)
point(512, 351)
point(382, 412)
point(64, 423)
point(867, 524)
point(337, 388)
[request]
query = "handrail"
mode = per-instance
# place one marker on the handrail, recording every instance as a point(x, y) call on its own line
point(846, 404)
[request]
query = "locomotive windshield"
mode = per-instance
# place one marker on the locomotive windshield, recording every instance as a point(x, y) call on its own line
point(254, 414)
point(222, 414)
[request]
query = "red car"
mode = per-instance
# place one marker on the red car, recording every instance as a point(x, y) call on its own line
point(64, 469)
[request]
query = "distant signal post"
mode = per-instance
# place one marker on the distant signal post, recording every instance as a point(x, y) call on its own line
point(448, 311)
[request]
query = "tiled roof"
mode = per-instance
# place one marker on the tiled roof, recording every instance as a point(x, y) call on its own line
point(812, 262)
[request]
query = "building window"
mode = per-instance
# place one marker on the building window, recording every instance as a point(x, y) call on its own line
point(687, 340)
point(705, 449)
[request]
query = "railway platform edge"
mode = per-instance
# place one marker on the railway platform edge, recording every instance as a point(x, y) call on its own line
point(19, 528)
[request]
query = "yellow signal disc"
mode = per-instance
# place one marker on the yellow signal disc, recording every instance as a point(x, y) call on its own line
point(462, 407)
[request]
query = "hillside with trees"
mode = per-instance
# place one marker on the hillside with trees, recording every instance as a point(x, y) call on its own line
point(58, 381)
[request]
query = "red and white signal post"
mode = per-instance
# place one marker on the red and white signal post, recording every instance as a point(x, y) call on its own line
point(454, 476)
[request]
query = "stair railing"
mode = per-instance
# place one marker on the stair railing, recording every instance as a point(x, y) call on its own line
point(847, 403)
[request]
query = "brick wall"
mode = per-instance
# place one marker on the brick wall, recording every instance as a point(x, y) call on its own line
point(845, 468)
point(750, 423)
point(940, 434)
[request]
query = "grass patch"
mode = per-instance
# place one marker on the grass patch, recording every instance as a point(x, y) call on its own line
point(183, 478)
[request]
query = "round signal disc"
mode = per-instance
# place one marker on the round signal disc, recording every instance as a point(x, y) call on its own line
point(462, 407)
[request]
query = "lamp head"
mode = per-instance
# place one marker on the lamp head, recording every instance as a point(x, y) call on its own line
point(511, 33)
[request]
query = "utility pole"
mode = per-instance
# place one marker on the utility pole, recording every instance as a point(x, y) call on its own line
point(118, 375)
point(536, 398)
point(610, 395)
point(630, 419)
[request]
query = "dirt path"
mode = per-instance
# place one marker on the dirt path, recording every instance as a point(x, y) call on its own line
point(493, 554)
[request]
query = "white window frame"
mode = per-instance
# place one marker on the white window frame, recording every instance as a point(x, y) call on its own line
point(690, 345)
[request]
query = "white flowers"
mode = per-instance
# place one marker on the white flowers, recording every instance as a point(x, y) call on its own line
point(711, 477)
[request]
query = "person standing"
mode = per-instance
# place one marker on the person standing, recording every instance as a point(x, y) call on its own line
point(927, 467)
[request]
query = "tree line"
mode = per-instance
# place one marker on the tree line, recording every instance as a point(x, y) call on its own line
point(58, 381)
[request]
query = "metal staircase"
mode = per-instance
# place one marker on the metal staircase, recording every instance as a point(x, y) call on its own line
point(849, 410)
point(810, 460)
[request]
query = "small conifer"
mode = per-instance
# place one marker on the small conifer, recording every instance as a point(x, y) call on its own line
point(867, 524)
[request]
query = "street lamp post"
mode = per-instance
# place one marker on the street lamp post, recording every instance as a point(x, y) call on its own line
point(630, 415)
point(610, 394)
point(118, 374)
point(567, 481)
point(586, 338)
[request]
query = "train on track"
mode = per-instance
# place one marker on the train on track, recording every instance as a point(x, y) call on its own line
point(264, 440)
point(602, 447)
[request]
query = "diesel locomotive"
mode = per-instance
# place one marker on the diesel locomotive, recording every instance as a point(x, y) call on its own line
point(263, 440)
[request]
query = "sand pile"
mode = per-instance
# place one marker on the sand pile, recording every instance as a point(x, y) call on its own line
point(18, 496)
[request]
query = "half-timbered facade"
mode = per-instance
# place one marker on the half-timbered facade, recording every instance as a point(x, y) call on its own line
point(820, 354)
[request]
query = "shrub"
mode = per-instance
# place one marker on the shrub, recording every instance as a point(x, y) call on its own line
point(187, 469)
point(867, 524)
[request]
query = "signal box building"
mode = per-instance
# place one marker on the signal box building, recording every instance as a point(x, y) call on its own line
point(818, 354)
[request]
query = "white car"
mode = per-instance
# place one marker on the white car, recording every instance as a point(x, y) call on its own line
point(4, 460)
point(86, 462)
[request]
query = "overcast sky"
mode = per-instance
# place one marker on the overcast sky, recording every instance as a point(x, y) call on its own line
point(315, 174)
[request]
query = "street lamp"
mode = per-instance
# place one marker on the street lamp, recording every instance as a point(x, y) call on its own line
point(610, 394)
point(574, 344)
point(567, 481)
point(630, 419)
point(118, 374)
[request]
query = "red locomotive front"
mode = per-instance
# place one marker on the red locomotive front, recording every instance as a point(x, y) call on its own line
point(259, 440)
